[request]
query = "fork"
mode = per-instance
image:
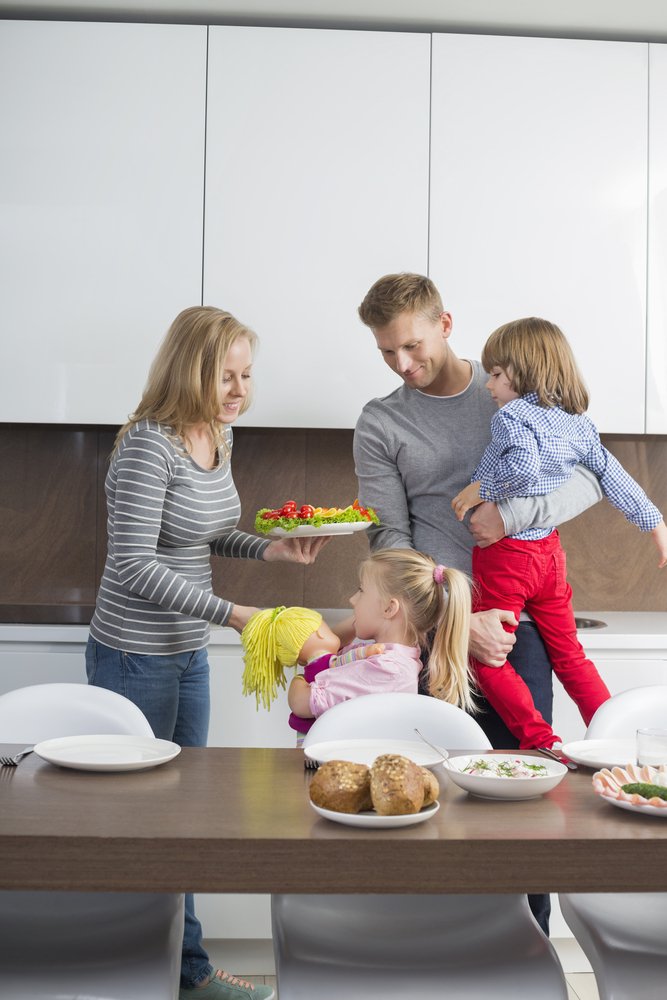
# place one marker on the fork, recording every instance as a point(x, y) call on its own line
point(13, 761)
point(310, 764)
point(569, 764)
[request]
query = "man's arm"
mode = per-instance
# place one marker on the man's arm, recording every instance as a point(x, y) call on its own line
point(381, 487)
point(575, 496)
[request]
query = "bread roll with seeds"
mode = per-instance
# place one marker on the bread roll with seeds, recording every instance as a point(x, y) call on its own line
point(397, 785)
point(342, 786)
point(431, 786)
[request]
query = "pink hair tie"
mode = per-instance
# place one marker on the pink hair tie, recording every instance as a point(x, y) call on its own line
point(439, 574)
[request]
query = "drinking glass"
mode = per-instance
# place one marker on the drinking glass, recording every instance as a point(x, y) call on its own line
point(652, 747)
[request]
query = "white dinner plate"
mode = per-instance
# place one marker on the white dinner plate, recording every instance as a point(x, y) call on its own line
point(365, 751)
point(601, 753)
point(107, 753)
point(371, 818)
point(308, 530)
point(631, 807)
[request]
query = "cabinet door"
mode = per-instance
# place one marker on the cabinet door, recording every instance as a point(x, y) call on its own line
point(316, 185)
point(538, 200)
point(101, 172)
point(656, 379)
point(619, 674)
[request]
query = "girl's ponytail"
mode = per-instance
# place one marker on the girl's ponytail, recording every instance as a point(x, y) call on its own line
point(448, 672)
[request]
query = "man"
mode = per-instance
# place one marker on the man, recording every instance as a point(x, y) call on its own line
point(417, 448)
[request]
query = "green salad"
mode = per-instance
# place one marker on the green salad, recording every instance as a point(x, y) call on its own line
point(289, 516)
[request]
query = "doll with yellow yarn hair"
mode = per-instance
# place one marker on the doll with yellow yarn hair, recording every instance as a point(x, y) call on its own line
point(276, 638)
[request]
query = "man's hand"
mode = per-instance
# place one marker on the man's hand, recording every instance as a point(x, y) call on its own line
point(467, 498)
point(489, 642)
point(486, 525)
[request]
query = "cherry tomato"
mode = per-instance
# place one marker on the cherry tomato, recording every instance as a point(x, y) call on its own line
point(288, 509)
point(271, 515)
point(306, 510)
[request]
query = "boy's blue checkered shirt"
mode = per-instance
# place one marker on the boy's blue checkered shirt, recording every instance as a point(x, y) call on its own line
point(533, 451)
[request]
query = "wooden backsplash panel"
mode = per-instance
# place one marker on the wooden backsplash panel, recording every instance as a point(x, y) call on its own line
point(53, 523)
point(269, 468)
point(48, 515)
point(612, 566)
point(309, 466)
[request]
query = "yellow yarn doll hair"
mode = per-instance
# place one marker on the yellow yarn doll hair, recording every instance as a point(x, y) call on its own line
point(272, 640)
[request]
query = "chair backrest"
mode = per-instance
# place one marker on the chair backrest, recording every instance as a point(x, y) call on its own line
point(624, 713)
point(47, 711)
point(395, 716)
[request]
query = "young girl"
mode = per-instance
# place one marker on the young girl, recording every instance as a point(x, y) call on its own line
point(538, 435)
point(400, 600)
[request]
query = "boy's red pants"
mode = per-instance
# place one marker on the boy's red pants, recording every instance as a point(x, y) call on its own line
point(514, 575)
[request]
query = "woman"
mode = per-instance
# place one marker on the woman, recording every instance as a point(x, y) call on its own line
point(171, 504)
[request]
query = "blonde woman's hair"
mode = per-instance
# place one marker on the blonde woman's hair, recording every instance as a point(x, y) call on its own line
point(537, 358)
point(410, 578)
point(184, 379)
point(399, 293)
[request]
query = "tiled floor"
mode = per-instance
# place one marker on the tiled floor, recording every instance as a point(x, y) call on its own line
point(580, 985)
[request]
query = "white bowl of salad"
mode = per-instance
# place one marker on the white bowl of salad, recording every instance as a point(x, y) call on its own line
point(505, 776)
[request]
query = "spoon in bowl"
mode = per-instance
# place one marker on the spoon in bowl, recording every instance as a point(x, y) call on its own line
point(442, 753)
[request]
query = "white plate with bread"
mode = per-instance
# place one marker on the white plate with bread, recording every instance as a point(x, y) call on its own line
point(366, 751)
point(394, 791)
point(373, 819)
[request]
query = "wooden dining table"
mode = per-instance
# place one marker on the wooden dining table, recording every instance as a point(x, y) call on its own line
point(239, 820)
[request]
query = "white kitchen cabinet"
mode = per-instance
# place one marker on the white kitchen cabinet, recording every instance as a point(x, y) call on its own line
point(101, 215)
point(619, 673)
point(316, 185)
point(539, 203)
point(656, 374)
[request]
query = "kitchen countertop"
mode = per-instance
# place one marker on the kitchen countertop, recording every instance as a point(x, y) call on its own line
point(622, 630)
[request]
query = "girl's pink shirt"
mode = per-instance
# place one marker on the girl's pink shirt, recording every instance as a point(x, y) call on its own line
point(397, 669)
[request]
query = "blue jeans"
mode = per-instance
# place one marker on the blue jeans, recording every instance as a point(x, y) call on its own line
point(173, 693)
point(529, 659)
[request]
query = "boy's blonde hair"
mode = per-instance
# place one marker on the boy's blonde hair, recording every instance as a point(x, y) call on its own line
point(400, 293)
point(183, 384)
point(410, 578)
point(537, 358)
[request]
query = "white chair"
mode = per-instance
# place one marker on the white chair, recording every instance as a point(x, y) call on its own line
point(101, 946)
point(395, 946)
point(623, 933)
point(396, 716)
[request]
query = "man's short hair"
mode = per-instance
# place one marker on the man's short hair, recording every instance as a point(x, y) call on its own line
point(398, 293)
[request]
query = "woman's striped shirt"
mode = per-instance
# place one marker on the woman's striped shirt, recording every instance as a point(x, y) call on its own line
point(166, 517)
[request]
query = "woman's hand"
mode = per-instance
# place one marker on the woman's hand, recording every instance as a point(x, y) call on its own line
point(240, 617)
point(296, 550)
point(489, 642)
